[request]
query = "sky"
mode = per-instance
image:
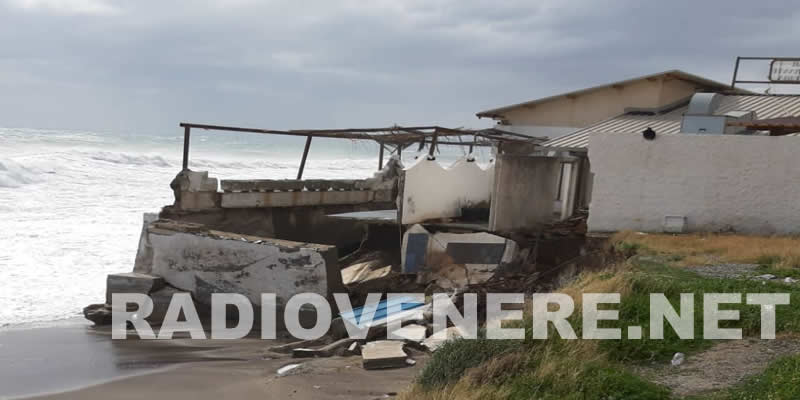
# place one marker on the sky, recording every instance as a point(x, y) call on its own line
point(146, 65)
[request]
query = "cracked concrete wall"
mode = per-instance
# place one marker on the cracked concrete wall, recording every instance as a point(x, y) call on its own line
point(739, 183)
point(192, 258)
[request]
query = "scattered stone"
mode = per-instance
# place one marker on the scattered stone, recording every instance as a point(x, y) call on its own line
point(100, 314)
point(410, 362)
point(678, 359)
point(383, 354)
point(789, 279)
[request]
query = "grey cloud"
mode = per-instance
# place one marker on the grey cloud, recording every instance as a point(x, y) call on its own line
point(294, 64)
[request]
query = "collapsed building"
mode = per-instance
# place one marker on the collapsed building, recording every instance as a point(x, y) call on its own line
point(669, 152)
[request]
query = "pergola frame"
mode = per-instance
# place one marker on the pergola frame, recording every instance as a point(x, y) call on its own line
point(395, 138)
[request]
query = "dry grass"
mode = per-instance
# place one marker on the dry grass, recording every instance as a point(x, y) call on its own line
point(462, 390)
point(614, 279)
point(703, 249)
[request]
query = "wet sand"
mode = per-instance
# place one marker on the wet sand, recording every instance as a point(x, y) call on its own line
point(78, 362)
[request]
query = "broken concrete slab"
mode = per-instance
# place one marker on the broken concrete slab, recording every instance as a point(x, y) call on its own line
point(132, 282)
point(193, 258)
point(383, 354)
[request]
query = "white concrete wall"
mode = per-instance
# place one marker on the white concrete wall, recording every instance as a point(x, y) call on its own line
point(205, 262)
point(748, 184)
point(431, 191)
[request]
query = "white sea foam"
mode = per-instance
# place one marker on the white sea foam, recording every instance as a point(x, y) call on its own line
point(14, 174)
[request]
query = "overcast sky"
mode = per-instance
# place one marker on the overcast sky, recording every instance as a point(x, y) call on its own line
point(145, 65)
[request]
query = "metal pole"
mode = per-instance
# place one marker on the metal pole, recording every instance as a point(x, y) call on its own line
point(735, 72)
point(303, 160)
point(433, 146)
point(186, 134)
point(380, 157)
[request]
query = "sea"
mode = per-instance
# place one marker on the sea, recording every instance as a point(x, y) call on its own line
point(71, 201)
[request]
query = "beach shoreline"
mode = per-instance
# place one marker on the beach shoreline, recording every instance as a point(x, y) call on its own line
point(78, 361)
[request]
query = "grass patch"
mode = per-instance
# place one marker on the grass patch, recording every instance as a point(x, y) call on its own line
point(586, 369)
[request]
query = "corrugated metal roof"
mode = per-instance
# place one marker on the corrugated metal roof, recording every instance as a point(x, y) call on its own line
point(765, 106)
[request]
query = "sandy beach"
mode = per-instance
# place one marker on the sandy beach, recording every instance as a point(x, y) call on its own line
point(78, 362)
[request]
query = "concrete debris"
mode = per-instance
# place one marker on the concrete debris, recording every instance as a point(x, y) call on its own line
point(433, 343)
point(383, 354)
point(678, 359)
point(132, 282)
point(100, 314)
point(412, 332)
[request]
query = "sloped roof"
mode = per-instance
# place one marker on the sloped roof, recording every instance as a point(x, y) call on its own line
point(765, 107)
point(678, 74)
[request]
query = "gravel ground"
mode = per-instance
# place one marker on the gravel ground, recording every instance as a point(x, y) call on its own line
point(721, 366)
point(727, 271)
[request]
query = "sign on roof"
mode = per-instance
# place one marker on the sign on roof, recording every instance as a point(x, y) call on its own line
point(785, 70)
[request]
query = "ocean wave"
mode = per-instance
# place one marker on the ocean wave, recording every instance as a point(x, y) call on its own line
point(130, 159)
point(14, 174)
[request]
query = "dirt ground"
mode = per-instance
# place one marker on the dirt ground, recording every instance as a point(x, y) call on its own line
point(721, 366)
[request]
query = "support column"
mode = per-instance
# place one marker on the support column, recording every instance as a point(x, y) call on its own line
point(186, 135)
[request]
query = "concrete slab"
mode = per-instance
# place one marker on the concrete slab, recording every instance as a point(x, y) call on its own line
point(383, 354)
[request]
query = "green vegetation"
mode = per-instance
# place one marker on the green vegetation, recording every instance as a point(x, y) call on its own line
point(584, 369)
